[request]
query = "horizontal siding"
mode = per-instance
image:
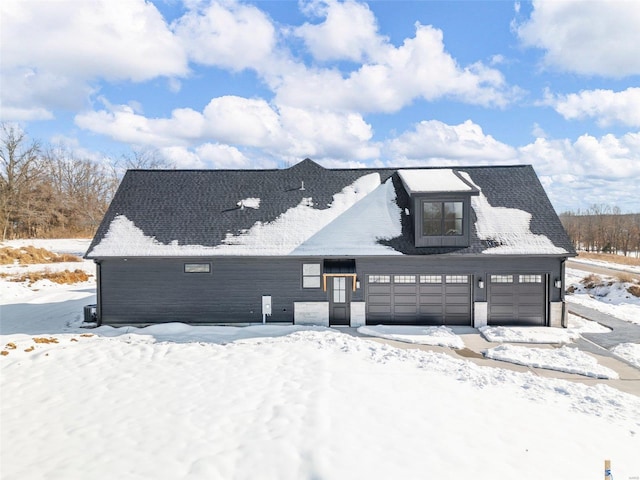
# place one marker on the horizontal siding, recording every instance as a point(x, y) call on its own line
point(157, 290)
point(154, 290)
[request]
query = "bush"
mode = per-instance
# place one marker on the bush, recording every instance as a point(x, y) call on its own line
point(31, 255)
point(64, 277)
point(625, 277)
point(634, 290)
point(591, 281)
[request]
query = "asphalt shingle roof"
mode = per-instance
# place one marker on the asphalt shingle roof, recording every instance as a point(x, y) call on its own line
point(200, 207)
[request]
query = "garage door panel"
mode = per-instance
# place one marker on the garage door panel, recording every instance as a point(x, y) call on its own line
point(405, 309)
point(502, 310)
point(458, 320)
point(529, 310)
point(458, 299)
point(380, 309)
point(380, 299)
point(456, 310)
point(404, 289)
point(431, 309)
point(377, 289)
point(496, 300)
point(431, 289)
point(462, 289)
point(405, 299)
point(420, 303)
point(516, 303)
point(503, 289)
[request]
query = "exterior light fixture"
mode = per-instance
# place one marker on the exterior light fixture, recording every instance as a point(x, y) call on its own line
point(558, 283)
point(480, 283)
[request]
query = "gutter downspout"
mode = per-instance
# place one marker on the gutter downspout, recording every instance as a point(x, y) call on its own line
point(565, 316)
point(98, 292)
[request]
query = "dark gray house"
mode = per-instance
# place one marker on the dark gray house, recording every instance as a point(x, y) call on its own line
point(309, 245)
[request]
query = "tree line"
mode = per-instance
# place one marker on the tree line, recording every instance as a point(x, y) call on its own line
point(603, 228)
point(50, 191)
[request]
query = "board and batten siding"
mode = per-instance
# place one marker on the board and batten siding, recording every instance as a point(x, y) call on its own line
point(157, 290)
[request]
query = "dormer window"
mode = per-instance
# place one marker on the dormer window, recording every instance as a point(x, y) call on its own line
point(442, 218)
point(440, 206)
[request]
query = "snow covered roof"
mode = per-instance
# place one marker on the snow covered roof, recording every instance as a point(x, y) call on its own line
point(434, 180)
point(338, 212)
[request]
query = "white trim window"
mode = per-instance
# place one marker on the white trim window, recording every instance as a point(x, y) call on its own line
point(311, 275)
point(197, 268)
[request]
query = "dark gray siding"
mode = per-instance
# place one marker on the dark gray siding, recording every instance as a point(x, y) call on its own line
point(156, 290)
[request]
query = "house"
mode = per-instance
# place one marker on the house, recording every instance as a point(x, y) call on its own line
point(310, 245)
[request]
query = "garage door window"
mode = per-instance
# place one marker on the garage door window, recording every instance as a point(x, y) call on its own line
point(404, 279)
point(430, 278)
point(457, 278)
point(530, 278)
point(501, 278)
point(379, 279)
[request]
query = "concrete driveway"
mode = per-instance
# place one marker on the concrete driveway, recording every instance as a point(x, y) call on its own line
point(594, 344)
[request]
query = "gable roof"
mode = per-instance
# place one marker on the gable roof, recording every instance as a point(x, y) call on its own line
point(308, 210)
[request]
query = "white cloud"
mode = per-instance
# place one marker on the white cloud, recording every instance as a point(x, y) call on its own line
point(237, 120)
point(328, 135)
point(606, 106)
point(123, 124)
point(58, 48)
point(608, 157)
point(22, 114)
point(588, 170)
point(227, 34)
point(575, 173)
point(588, 37)
point(348, 32)
point(247, 123)
point(465, 143)
point(419, 68)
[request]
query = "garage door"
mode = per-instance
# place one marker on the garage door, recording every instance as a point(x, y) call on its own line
point(418, 299)
point(517, 299)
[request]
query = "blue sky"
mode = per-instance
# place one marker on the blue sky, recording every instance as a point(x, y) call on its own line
point(264, 84)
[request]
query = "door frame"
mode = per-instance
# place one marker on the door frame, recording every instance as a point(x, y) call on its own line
point(349, 286)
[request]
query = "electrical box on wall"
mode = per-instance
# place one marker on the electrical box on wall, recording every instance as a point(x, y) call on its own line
point(266, 305)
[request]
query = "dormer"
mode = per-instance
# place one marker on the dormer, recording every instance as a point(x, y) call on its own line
point(440, 205)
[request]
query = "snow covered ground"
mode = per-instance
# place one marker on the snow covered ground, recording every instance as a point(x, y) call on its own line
point(603, 263)
point(283, 402)
point(612, 297)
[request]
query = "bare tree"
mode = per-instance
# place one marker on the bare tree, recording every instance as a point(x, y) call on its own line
point(20, 173)
point(83, 189)
point(603, 228)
